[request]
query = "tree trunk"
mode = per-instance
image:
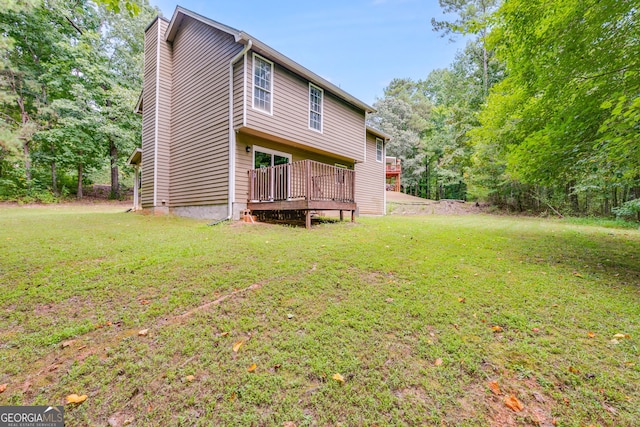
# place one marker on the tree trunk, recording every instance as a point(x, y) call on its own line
point(79, 193)
point(54, 178)
point(25, 141)
point(115, 181)
point(27, 161)
point(573, 197)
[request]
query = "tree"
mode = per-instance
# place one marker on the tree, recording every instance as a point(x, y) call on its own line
point(565, 120)
point(474, 17)
point(70, 78)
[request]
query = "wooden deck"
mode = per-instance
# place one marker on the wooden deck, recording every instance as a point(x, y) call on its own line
point(393, 172)
point(304, 186)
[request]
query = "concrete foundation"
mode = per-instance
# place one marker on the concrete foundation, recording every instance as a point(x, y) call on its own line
point(201, 212)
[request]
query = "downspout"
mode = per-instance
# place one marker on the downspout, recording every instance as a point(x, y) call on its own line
point(232, 133)
point(155, 131)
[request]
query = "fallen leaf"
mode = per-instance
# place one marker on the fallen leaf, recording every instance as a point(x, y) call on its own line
point(252, 368)
point(389, 300)
point(462, 300)
point(233, 396)
point(614, 341)
point(574, 370)
point(575, 273)
point(338, 378)
point(289, 316)
point(496, 328)
point(591, 334)
point(3, 387)
point(288, 424)
point(74, 398)
point(224, 334)
point(438, 362)
point(621, 336)
point(494, 387)
point(277, 366)
point(68, 343)
point(513, 403)
point(143, 332)
point(190, 378)
point(144, 302)
point(536, 330)
point(237, 346)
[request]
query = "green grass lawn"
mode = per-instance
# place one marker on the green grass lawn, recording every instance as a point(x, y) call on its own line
point(406, 309)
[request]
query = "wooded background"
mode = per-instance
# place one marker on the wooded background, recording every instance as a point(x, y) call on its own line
point(540, 112)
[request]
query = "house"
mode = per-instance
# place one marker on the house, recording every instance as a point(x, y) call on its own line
point(231, 124)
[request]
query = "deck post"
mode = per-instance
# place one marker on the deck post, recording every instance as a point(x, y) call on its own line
point(341, 216)
point(307, 166)
point(307, 221)
point(353, 216)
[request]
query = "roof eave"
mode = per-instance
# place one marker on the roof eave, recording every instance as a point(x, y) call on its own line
point(138, 107)
point(378, 133)
point(181, 12)
point(135, 157)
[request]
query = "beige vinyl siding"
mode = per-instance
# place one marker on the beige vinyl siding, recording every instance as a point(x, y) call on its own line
point(343, 124)
point(244, 160)
point(370, 182)
point(238, 73)
point(200, 109)
point(162, 93)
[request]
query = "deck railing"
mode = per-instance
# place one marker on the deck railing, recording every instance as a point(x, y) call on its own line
point(394, 167)
point(302, 180)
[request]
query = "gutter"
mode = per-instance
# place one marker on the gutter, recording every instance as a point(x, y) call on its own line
point(232, 134)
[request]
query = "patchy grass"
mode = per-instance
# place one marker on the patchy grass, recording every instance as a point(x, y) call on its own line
point(378, 302)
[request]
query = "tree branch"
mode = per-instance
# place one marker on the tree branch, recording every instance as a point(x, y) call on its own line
point(625, 68)
point(73, 24)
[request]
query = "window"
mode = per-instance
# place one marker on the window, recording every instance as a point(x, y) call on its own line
point(315, 107)
point(262, 84)
point(379, 150)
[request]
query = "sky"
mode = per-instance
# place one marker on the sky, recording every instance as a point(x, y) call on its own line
point(358, 45)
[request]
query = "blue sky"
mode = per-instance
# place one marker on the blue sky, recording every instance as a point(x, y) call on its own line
point(358, 45)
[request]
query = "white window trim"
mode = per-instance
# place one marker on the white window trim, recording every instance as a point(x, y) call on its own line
point(267, 151)
point(321, 108)
point(253, 75)
point(381, 142)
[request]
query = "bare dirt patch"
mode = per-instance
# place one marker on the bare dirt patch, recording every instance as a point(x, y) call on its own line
point(405, 204)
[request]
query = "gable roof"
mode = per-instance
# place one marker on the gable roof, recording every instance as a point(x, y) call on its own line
point(241, 37)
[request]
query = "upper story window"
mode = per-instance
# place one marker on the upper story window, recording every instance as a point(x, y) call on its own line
point(262, 84)
point(379, 150)
point(315, 107)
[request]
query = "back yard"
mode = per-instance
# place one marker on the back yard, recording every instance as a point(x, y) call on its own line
point(166, 321)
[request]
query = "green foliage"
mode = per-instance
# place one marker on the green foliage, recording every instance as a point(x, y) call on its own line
point(72, 73)
point(566, 120)
point(628, 209)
